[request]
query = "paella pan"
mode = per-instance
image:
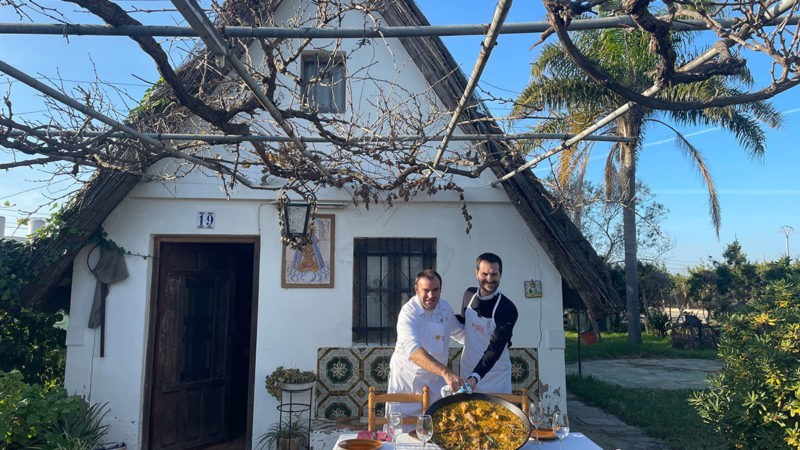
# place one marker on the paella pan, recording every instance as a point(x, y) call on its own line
point(478, 422)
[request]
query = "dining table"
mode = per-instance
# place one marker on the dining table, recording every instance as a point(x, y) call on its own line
point(573, 441)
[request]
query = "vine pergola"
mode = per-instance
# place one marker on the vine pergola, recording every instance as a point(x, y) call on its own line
point(221, 82)
point(231, 92)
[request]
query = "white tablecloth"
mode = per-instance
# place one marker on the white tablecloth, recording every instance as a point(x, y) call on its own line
point(575, 441)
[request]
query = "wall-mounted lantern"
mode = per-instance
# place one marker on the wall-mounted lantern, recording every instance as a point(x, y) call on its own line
point(295, 219)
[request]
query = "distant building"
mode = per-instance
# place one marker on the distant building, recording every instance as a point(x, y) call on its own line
point(3, 231)
point(33, 225)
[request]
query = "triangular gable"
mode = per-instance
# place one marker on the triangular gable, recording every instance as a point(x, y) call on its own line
point(565, 245)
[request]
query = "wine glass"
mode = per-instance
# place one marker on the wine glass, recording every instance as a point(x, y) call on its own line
point(424, 429)
point(395, 425)
point(388, 408)
point(560, 426)
point(536, 414)
point(392, 407)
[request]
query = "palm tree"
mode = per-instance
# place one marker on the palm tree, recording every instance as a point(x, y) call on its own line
point(575, 102)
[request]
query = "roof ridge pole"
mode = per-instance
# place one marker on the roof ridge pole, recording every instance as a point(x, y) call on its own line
point(234, 138)
point(769, 15)
point(500, 13)
point(60, 29)
point(72, 103)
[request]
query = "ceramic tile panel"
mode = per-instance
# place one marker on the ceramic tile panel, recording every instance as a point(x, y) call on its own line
point(346, 373)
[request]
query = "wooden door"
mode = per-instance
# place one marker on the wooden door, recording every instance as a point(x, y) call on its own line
point(191, 382)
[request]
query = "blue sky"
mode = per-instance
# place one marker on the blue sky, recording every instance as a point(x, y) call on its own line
point(757, 197)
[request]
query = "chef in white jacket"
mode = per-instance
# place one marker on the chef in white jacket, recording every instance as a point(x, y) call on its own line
point(424, 327)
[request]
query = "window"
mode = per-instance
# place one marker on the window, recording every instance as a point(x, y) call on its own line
point(384, 272)
point(323, 83)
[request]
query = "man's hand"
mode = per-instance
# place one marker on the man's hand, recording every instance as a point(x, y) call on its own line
point(472, 382)
point(454, 381)
point(423, 359)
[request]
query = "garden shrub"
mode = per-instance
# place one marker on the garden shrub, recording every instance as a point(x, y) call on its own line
point(27, 409)
point(657, 321)
point(754, 401)
point(76, 429)
point(34, 416)
point(32, 344)
point(13, 271)
point(29, 340)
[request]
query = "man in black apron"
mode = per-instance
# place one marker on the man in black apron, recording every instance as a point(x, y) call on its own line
point(488, 317)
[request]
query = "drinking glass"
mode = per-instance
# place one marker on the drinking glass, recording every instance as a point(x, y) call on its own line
point(536, 414)
point(395, 425)
point(389, 408)
point(560, 427)
point(424, 429)
point(392, 407)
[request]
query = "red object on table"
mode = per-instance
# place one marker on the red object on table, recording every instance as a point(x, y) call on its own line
point(377, 435)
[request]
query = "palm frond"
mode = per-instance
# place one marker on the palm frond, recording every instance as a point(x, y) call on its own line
point(575, 102)
point(610, 171)
point(693, 154)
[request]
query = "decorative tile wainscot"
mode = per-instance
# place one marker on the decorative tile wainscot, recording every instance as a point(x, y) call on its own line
point(346, 373)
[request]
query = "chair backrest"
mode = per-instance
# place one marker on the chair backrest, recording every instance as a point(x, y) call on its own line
point(520, 399)
point(372, 421)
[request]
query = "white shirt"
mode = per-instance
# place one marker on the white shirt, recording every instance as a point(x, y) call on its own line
point(420, 328)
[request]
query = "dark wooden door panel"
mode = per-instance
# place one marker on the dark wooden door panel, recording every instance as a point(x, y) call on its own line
point(167, 426)
point(191, 372)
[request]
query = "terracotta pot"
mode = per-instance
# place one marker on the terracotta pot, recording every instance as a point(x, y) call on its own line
point(589, 337)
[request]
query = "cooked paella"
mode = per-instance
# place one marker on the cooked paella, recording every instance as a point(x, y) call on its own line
point(478, 425)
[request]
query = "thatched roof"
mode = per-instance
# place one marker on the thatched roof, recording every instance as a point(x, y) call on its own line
point(569, 250)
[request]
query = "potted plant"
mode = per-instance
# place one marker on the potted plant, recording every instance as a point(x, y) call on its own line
point(286, 435)
point(283, 379)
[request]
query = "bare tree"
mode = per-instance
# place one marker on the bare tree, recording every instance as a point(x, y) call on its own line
point(599, 218)
point(369, 154)
point(376, 146)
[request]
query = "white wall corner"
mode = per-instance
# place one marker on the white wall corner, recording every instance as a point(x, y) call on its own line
point(555, 339)
point(76, 337)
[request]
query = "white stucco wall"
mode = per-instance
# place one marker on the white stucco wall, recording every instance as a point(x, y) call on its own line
point(293, 323)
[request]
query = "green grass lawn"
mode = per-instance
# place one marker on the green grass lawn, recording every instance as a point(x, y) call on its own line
point(663, 414)
point(615, 345)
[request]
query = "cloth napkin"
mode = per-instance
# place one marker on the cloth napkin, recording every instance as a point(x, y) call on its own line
point(378, 436)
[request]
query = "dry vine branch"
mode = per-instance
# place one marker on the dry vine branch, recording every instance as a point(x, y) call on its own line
point(202, 97)
point(752, 30)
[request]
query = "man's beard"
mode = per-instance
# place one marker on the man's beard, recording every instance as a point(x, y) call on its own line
point(489, 287)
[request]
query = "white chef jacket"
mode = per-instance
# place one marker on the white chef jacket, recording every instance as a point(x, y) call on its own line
point(430, 330)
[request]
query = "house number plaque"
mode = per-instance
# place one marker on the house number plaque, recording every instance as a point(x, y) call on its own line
point(205, 219)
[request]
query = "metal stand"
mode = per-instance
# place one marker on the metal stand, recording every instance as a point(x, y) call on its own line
point(580, 373)
point(294, 409)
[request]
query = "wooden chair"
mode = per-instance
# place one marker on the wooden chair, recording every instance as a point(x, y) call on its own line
point(520, 399)
point(373, 399)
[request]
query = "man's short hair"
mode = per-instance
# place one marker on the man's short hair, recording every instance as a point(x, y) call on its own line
point(489, 258)
point(430, 274)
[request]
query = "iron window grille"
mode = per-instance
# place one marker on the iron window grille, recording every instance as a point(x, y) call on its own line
point(385, 269)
